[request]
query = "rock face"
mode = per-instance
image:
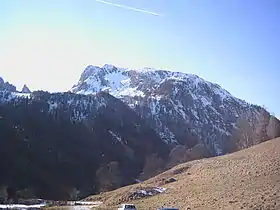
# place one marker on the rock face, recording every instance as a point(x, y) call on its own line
point(5, 86)
point(182, 108)
point(25, 89)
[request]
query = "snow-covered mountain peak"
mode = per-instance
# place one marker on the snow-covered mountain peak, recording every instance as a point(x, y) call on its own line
point(168, 99)
point(139, 82)
point(109, 66)
point(89, 71)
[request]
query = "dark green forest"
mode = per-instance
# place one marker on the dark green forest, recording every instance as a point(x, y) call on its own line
point(50, 154)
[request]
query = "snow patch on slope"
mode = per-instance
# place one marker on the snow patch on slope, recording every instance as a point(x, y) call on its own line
point(115, 136)
point(205, 101)
point(150, 191)
point(23, 95)
point(128, 92)
point(52, 106)
point(22, 206)
point(116, 80)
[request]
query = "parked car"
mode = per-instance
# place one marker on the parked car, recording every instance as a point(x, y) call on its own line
point(127, 207)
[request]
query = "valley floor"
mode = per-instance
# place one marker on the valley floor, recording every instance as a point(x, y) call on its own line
point(248, 179)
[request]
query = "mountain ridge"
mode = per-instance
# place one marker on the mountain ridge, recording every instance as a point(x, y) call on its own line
point(168, 98)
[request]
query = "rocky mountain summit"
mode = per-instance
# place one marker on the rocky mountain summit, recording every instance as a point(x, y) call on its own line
point(25, 89)
point(182, 108)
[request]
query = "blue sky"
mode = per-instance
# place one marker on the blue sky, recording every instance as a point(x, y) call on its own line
point(235, 43)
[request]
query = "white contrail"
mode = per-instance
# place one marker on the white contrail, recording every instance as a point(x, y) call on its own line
point(129, 8)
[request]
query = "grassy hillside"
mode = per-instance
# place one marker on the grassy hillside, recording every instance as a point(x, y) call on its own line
point(248, 179)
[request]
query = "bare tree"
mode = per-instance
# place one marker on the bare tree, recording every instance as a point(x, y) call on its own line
point(74, 193)
point(261, 127)
point(101, 175)
point(273, 128)
point(243, 135)
point(114, 174)
point(177, 155)
point(181, 154)
point(3, 194)
point(199, 151)
point(153, 166)
point(109, 176)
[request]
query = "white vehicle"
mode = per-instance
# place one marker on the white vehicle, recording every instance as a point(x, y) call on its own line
point(127, 207)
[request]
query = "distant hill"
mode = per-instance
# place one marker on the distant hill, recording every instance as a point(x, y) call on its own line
point(248, 179)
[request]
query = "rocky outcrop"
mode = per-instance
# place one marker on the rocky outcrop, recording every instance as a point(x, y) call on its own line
point(25, 89)
point(6, 86)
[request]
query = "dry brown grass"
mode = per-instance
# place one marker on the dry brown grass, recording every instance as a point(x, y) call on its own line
point(248, 179)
